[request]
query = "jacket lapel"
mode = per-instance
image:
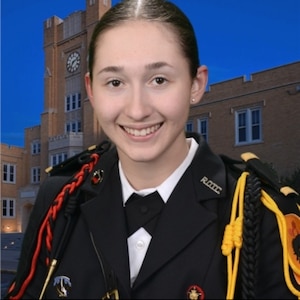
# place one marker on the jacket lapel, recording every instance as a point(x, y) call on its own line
point(105, 205)
point(191, 210)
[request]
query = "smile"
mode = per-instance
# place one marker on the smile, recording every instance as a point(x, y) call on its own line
point(142, 132)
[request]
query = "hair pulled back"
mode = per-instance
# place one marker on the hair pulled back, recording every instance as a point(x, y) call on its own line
point(150, 10)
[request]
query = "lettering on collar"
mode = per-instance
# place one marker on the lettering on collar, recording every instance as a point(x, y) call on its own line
point(212, 185)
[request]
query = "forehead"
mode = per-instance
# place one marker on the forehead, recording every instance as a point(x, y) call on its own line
point(139, 36)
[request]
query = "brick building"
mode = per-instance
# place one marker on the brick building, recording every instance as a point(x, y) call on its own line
point(259, 115)
point(12, 178)
point(66, 116)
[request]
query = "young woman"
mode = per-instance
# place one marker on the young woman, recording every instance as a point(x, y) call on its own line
point(144, 74)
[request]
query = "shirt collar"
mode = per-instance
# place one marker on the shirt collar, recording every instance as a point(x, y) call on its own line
point(166, 188)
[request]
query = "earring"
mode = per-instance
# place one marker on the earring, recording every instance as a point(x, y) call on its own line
point(193, 100)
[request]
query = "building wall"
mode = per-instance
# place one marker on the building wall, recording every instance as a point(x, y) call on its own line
point(277, 91)
point(14, 156)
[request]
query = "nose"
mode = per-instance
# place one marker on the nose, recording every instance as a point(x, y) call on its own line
point(138, 106)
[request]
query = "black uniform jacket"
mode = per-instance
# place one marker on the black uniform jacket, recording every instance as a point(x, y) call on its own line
point(185, 251)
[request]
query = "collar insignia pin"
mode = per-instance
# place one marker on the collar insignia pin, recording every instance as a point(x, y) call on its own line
point(211, 185)
point(97, 177)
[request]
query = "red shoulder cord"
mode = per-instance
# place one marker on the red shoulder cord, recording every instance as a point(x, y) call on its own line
point(50, 217)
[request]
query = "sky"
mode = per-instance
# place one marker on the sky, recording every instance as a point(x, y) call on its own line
point(235, 38)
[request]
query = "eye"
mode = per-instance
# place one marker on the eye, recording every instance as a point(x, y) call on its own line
point(114, 83)
point(159, 80)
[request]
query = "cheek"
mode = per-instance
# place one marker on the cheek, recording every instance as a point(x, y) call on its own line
point(177, 109)
point(106, 111)
point(103, 114)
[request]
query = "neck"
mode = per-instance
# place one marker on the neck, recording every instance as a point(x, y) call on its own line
point(150, 174)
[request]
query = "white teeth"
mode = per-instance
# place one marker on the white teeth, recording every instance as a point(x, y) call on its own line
point(142, 132)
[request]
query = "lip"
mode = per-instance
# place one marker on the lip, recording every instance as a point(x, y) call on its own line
point(142, 132)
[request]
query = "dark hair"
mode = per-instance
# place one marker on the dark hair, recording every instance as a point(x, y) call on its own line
point(152, 10)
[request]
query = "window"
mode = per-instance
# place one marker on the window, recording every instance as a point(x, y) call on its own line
point(73, 102)
point(248, 125)
point(8, 208)
point(58, 158)
point(73, 126)
point(9, 173)
point(79, 100)
point(68, 103)
point(203, 127)
point(189, 126)
point(35, 147)
point(35, 174)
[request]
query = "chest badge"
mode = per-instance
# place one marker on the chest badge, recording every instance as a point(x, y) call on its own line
point(194, 292)
point(62, 285)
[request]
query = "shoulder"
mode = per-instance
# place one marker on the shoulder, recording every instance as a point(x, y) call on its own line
point(71, 172)
point(75, 163)
point(285, 197)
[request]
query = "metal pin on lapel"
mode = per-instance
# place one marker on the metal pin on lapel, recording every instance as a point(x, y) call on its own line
point(97, 177)
point(194, 292)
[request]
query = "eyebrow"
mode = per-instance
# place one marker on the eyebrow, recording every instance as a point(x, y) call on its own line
point(113, 69)
point(157, 65)
point(152, 66)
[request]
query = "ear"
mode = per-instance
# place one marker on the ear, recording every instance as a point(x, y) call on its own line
point(199, 84)
point(88, 87)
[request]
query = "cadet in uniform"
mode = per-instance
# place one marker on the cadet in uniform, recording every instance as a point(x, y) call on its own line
point(154, 213)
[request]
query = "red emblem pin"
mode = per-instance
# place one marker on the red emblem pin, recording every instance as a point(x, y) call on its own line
point(97, 177)
point(194, 292)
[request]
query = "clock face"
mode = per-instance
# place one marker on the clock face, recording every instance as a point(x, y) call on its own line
point(73, 62)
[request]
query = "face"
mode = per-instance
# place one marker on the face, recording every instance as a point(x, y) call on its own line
point(141, 91)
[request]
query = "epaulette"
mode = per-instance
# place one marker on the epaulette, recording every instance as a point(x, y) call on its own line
point(74, 163)
point(266, 175)
point(250, 162)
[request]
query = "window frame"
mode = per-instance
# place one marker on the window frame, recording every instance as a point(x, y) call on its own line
point(10, 207)
point(200, 121)
point(73, 126)
point(35, 147)
point(35, 175)
point(248, 127)
point(11, 171)
point(58, 158)
point(72, 102)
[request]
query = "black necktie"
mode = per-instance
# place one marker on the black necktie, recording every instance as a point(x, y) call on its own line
point(143, 211)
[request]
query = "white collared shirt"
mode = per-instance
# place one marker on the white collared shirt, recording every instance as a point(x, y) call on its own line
point(139, 241)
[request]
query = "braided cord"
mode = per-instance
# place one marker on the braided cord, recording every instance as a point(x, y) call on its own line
point(47, 224)
point(251, 236)
point(233, 235)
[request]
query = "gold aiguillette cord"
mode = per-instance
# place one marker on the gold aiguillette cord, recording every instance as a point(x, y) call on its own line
point(50, 272)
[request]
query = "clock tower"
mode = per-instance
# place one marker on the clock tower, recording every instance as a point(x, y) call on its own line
point(68, 123)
